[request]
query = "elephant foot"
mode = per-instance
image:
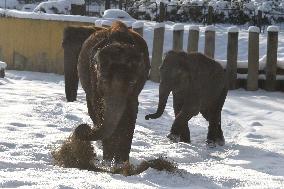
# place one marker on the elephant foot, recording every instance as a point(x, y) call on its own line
point(220, 141)
point(173, 137)
point(210, 143)
point(213, 143)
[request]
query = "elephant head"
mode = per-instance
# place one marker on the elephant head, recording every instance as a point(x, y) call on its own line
point(173, 75)
point(116, 75)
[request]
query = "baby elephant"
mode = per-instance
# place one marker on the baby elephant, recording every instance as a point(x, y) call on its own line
point(198, 86)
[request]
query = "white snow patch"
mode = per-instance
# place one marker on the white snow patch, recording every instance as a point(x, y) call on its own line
point(159, 25)
point(41, 16)
point(273, 29)
point(138, 24)
point(178, 26)
point(233, 29)
point(194, 27)
point(98, 23)
point(210, 28)
point(254, 29)
point(107, 23)
point(117, 14)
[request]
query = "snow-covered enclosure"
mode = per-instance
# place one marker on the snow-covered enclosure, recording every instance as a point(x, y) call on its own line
point(35, 118)
point(57, 6)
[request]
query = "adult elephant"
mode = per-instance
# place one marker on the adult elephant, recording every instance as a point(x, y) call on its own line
point(113, 67)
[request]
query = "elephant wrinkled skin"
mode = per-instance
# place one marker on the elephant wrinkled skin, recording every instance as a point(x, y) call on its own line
point(113, 67)
point(198, 85)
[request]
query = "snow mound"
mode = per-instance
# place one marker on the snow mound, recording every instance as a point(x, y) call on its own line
point(178, 26)
point(117, 14)
point(193, 27)
point(233, 29)
point(210, 28)
point(273, 29)
point(254, 29)
point(159, 25)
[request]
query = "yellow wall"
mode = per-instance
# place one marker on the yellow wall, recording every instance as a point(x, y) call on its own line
point(35, 45)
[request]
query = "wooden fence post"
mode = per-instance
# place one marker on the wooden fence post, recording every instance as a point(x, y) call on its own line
point(253, 58)
point(178, 31)
point(157, 52)
point(193, 38)
point(232, 57)
point(209, 48)
point(271, 58)
point(138, 27)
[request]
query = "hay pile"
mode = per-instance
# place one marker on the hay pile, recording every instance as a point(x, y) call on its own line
point(75, 153)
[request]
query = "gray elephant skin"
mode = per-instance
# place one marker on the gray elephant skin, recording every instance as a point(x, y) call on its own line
point(198, 85)
point(113, 66)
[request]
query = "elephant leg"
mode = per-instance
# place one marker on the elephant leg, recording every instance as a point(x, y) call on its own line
point(181, 129)
point(215, 133)
point(71, 74)
point(108, 149)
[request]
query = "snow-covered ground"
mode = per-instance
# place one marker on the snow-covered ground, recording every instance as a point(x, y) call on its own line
point(35, 118)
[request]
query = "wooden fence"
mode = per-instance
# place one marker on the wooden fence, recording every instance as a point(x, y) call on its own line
point(250, 78)
point(27, 44)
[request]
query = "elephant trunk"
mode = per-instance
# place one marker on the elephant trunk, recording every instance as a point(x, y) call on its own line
point(164, 92)
point(114, 110)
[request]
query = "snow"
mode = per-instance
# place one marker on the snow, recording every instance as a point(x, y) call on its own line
point(98, 23)
point(273, 29)
point(138, 24)
point(210, 28)
point(193, 27)
point(117, 14)
point(57, 6)
point(42, 16)
point(233, 29)
point(35, 118)
point(159, 25)
point(254, 29)
point(3, 65)
point(178, 26)
point(106, 22)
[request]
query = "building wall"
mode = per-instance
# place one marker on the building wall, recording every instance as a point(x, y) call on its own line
point(34, 45)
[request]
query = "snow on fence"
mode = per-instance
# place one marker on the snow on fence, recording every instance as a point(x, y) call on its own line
point(34, 44)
